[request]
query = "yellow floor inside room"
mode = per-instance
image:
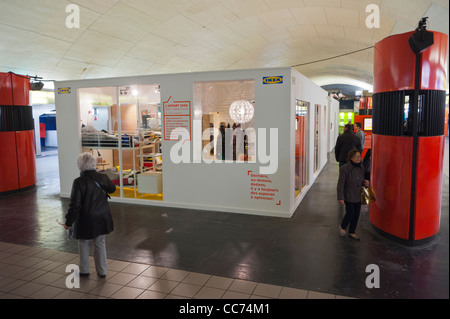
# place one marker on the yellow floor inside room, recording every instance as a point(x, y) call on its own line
point(128, 192)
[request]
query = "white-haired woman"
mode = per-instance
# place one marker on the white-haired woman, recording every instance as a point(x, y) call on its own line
point(89, 214)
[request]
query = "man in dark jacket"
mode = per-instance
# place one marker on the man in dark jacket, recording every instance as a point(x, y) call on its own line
point(345, 143)
point(89, 213)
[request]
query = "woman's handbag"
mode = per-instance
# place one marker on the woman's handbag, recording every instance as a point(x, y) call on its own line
point(367, 196)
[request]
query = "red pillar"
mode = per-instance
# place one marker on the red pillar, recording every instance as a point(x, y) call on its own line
point(408, 136)
point(17, 151)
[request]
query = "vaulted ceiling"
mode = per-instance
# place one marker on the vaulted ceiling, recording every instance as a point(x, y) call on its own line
point(137, 37)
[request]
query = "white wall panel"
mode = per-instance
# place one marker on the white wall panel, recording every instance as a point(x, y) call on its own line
point(217, 186)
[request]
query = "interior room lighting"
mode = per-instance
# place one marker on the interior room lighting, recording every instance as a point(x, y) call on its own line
point(242, 111)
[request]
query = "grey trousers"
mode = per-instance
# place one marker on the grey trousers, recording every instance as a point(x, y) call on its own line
point(99, 255)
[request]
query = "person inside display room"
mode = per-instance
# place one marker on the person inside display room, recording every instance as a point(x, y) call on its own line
point(349, 187)
point(344, 143)
point(89, 213)
point(220, 144)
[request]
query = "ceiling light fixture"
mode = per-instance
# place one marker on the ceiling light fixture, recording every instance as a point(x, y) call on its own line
point(242, 111)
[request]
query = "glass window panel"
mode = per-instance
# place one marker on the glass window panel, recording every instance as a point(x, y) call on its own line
point(316, 137)
point(226, 111)
point(301, 132)
point(140, 131)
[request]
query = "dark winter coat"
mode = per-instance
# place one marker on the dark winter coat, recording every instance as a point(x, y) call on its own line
point(350, 183)
point(344, 144)
point(89, 211)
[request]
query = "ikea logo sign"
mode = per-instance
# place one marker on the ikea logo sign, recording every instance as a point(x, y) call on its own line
point(64, 90)
point(272, 80)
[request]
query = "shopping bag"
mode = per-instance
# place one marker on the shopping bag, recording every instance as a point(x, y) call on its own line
point(367, 196)
point(372, 197)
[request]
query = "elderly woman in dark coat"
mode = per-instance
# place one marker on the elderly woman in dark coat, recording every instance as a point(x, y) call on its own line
point(350, 183)
point(89, 214)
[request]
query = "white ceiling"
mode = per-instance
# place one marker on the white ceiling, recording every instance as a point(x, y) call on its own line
point(136, 37)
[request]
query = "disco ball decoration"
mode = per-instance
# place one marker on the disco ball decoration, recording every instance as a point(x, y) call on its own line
point(242, 111)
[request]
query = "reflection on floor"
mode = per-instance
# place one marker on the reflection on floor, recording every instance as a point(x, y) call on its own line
point(130, 193)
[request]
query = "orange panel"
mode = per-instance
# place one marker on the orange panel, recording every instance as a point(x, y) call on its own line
point(391, 181)
point(430, 157)
point(446, 121)
point(368, 134)
point(26, 158)
point(42, 131)
point(8, 162)
point(300, 133)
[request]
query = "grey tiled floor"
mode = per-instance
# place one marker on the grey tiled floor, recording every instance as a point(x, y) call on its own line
point(39, 273)
point(301, 257)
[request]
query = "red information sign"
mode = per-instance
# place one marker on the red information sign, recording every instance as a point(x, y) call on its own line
point(177, 117)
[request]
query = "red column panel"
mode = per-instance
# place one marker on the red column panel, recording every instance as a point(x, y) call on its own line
point(21, 89)
point(435, 64)
point(428, 186)
point(26, 158)
point(391, 181)
point(394, 64)
point(5, 89)
point(8, 162)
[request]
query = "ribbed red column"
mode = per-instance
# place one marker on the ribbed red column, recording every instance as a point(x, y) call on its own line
point(408, 142)
point(17, 149)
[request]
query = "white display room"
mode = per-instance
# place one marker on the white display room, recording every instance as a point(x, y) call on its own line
point(238, 141)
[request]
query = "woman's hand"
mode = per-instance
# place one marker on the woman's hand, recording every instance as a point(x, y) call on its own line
point(366, 183)
point(341, 202)
point(63, 225)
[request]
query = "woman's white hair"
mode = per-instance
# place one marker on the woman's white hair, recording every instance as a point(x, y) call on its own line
point(86, 162)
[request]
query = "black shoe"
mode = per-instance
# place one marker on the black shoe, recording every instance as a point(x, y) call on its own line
point(101, 276)
point(84, 274)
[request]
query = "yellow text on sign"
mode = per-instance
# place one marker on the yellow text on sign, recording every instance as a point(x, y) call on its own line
point(64, 90)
